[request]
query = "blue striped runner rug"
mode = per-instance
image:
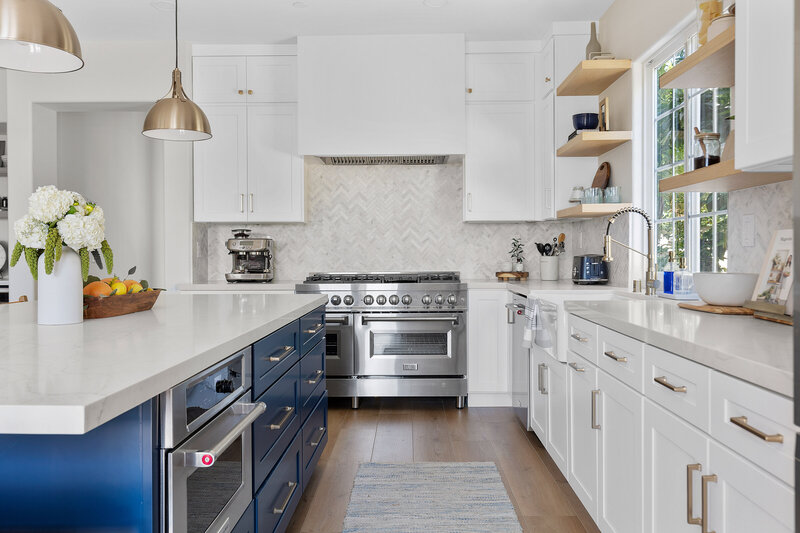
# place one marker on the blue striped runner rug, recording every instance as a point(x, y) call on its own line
point(430, 498)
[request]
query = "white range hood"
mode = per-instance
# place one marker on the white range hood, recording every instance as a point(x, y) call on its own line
point(381, 95)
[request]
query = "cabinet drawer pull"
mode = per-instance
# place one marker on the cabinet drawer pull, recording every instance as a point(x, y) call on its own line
point(280, 354)
point(579, 338)
point(241, 91)
point(249, 91)
point(615, 357)
point(690, 519)
point(288, 412)
point(241, 203)
point(595, 394)
point(741, 421)
point(704, 518)
point(542, 367)
point(251, 202)
point(316, 329)
point(314, 380)
point(547, 79)
point(469, 91)
point(662, 380)
point(282, 508)
point(315, 443)
point(577, 368)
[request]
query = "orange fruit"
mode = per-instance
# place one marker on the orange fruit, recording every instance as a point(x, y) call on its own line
point(109, 281)
point(97, 288)
point(129, 282)
point(120, 288)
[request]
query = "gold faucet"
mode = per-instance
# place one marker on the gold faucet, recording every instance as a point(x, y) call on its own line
point(652, 283)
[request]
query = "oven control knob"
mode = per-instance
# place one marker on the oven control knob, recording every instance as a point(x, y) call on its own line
point(381, 300)
point(348, 300)
point(426, 300)
point(406, 299)
point(452, 300)
point(394, 299)
point(368, 300)
point(336, 300)
point(439, 299)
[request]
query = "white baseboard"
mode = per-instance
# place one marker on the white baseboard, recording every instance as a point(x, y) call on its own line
point(489, 399)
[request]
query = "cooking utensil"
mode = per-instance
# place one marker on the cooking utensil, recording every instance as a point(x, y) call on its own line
point(548, 248)
point(602, 176)
point(540, 247)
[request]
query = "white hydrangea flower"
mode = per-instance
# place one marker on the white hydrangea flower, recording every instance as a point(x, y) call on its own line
point(98, 214)
point(81, 207)
point(82, 231)
point(48, 204)
point(30, 232)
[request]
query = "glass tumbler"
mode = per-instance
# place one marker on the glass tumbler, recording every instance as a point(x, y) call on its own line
point(613, 195)
point(592, 195)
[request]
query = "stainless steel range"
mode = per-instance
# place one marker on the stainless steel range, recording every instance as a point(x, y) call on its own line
point(394, 333)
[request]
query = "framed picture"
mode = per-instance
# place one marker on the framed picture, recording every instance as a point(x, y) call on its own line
point(603, 115)
point(774, 288)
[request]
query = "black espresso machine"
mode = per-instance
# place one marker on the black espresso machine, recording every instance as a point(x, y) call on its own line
point(589, 270)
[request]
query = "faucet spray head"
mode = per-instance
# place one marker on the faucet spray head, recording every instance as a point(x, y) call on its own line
point(607, 249)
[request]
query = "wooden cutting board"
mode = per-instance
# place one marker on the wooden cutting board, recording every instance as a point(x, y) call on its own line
point(511, 276)
point(602, 176)
point(717, 309)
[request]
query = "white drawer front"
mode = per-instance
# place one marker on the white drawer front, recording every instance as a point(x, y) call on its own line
point(583, 338)
point(765, 434)
point(678, 385)
point(622, 357)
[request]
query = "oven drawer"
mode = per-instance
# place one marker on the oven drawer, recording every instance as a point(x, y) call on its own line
point(411, 344)
point(281, 417)
point(278, 498)
point(273, 355)
point(312, 329)
point(312, 379)
point(315, 437)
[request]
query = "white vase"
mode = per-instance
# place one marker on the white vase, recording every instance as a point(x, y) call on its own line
point(518, 266)
point(60, 295)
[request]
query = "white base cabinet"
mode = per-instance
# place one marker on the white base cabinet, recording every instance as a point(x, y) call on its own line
point(584, 431)
point(557, 442)
point(488, 349)
point(539, 394)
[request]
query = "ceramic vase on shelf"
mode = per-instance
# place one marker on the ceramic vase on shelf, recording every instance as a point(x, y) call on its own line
point(518, 266)
point(60, 294)
point(593, 48)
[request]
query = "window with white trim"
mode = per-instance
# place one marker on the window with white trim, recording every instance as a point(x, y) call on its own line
point(693, 225)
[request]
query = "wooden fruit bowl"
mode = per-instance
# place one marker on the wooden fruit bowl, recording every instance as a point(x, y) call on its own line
point(108, 306)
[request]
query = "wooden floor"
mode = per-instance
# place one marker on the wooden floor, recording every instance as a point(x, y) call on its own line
point(407, 430)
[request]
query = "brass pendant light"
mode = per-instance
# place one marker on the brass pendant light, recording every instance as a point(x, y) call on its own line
point(175, 117)
point(35, 36)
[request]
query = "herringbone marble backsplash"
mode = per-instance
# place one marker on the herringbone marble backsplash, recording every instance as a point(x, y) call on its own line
point(388, 218)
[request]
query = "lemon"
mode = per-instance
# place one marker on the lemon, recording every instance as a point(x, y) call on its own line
point(134, 288)
point(119, 287)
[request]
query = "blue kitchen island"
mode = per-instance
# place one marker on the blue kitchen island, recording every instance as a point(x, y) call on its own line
point(208, 413)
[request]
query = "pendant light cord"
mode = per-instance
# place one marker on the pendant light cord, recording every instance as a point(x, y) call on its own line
point(176, 34)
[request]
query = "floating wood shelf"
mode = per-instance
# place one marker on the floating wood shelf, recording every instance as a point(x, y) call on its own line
point(593, 143)
point(722, 177)
point(591, 210)
point(592, 77)
point(712, 65)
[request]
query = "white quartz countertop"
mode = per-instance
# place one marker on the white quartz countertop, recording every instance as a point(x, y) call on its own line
point(72, 379)
point(224, 286)
point(756, 351)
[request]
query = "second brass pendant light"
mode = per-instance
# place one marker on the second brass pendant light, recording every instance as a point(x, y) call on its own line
point(175, 117)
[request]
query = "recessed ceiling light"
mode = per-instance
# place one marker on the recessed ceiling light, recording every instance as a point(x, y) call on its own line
point(163, 5)
point(299, 5)
point(435, 3)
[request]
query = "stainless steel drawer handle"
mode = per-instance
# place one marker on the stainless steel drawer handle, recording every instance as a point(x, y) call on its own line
point(315, 379)
point(516, 307)
point(662, 380)
point(367, 319)
point(316, 329)
point(741, 421)
point(283, 352)
point(595, 394)
point(343, 320)
point(315, 443)
point(207, 458)
point(282, 507)
point(690, 519)
point(577, 368)
point(288, 412)
point(615, 357)
point(579, 338)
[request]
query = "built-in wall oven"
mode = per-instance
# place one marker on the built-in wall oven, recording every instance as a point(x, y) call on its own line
point(206, 448)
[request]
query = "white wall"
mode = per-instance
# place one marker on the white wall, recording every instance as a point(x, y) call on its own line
point(104, 154)
point(131, 72)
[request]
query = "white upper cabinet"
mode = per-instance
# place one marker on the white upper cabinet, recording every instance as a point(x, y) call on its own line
point(219, 80)
point(381, 95)
point(275, 171)
point(545, 180)
point(499, 165)
point(271, 79)
point(500, 77)
point(220, 167)
point(545, 71)
point(764, 84)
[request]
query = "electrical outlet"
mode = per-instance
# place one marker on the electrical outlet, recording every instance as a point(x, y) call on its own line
point(748, 231)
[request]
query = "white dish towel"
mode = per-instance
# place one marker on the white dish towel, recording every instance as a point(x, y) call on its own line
point(531, 316)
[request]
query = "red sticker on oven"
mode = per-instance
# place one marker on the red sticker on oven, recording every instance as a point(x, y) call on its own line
point(207, 459)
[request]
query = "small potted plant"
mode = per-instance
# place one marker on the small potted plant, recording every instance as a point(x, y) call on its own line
point(517, 255)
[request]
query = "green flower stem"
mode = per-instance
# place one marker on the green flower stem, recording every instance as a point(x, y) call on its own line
point(16, 254)
point(108, 255)
point(32, 258)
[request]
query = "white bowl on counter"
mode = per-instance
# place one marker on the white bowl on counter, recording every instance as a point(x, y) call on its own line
point(728, 289)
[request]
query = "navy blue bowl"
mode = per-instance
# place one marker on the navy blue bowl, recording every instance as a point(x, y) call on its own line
point(585, 121)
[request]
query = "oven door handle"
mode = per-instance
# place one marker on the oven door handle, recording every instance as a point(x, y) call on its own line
point(338, 320)
point(207, 458)
point(366, 319)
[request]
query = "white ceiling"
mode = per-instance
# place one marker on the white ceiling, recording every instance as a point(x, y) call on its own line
point(278, 21)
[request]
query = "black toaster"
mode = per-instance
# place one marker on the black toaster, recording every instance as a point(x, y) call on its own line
point(589, 270)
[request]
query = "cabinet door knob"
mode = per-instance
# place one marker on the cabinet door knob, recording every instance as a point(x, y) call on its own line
point(241, 91)
point(249, 91)
point(547, 79)
point(469, 91)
